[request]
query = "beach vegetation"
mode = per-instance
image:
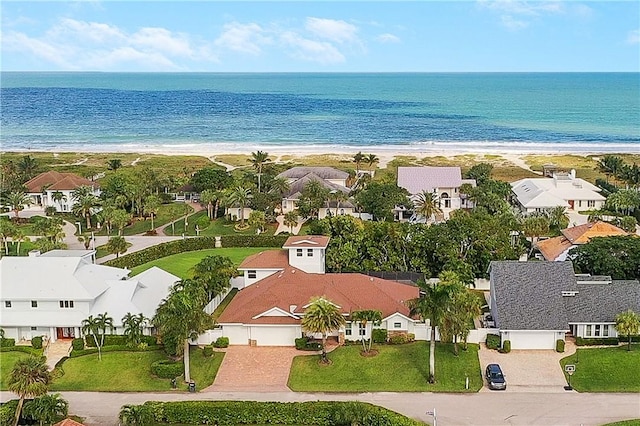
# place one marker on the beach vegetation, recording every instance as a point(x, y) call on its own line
point(114, 164)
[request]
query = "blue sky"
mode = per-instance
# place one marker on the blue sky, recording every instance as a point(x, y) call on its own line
point(303, 36)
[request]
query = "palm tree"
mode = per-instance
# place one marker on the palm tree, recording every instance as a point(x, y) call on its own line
point(181, 317)
point(558, 217)
point(427, 204)
point(29, 378)
point(208, 196)
point(17, 201)
point(58, 197)
point(105, 322)
point(215, 273)
point(19, 237)
point(371, 159)
point(151, 205)
point(291, 220)
point(324, 317)
point(363, 318)
point(91, 327)
point(258, 220)
point(463, 308)
point(135, 415)
point(114, 164)
point(133, 327)
point(7, 230)
point(358, 159)
point(84, 203)
point(432, 305)
point(628, 324)
point(625, 201)
point(47, 408)
point(258, 160)
point(117, 246)
point(120, 218)
point(240, 197)
point(27, 167)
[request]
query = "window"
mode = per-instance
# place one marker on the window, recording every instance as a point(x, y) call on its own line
point(579, 203)
point(397, 325)
point(591, 203)
point(588, 332)
point(7, 303)
point(361, 329)
point(598, 330)
point(34, 303)
point(309, 252)
point(299, 252)
point(252, 274)
point(34, 328)
point(347, 329)
point(66, 303)
point(605, 330)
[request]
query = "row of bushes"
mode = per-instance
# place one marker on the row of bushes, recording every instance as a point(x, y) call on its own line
point(7, 342)
point(193, 244)
point(119, 340)
point(600, 341)
point(141, 348)
point(303, 344)
point(221, 413)
point(25, 349)
point(166, 369)
point(401, 338)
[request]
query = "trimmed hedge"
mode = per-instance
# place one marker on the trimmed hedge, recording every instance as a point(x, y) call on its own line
point(25, 349)
point(560, 345)
point(493, 341)
point(193, 244)
point(506, 347)
point(401, 338)
point(36, 342)
point(7, 342)
point(8, 412)
point(207, 351)
point(166, 369)
point(322, 413)
point(119, 340)
point(303, 344)
point(379, 335)
point(121, 348)
point(221, 342)
point(77, 344)
point(604, 341)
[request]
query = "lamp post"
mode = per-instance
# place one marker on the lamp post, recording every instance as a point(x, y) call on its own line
point(79, 228)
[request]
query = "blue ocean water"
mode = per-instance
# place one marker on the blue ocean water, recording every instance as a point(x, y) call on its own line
point(212, 112)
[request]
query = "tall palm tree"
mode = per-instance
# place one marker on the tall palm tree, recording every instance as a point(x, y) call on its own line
point(19, 237)
point(432, 305)
point(208, 196)
point(239, 196)
point(119, 219)
point(558, 217)
point(29, 378)
point(363, 318)
point(133, 327)
point(258, 160)
point(27, 167)
point(151, 205)
point(215, 273)
point(7, 230)
point(84, 203)
point(104, 322)
point(47, 408)
point(610, 165)
point(91, 327)
point(16, 201)
point(628, 324)
point(323, 317)
point(290, 220)
point(358, 159)
point(371, 159)
point(58, 197)
point(427, 204)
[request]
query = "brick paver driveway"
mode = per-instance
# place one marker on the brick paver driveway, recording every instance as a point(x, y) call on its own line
point(254, 369)
point(528, 370)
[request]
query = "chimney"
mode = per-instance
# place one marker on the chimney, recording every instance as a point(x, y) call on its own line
point(34, 253)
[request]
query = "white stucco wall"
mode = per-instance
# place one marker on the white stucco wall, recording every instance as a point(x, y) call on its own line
point(313, 264)
point(581, 330)
point(260, 275)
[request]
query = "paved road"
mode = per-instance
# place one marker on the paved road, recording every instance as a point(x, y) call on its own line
point(493, 408)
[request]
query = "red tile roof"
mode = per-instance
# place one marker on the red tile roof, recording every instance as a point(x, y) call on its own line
point(68, 422)
point(307, 241)
point(292, 286)
point(581, 234)
point(270, 259)
point(57, 181)
point(553, 247)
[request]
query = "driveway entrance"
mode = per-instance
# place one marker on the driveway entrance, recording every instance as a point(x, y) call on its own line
point(528, 370)
point(254, 369)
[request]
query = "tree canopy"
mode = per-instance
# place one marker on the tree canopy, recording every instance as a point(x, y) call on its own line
point(617, 256)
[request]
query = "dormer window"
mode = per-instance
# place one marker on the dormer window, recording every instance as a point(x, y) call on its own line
point(299, 252)
point(251, 274)
point(309, 252)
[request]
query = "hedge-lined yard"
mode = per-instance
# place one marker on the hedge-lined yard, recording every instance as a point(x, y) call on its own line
point(396, 368)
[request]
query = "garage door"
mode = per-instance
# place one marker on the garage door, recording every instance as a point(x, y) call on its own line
point(532, 339)
point(275, 336)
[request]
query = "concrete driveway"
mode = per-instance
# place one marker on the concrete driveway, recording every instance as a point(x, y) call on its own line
point(528, 370)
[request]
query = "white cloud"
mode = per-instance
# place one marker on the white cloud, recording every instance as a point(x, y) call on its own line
point(245, 38)
point(633, 37)
point(162, 40)
point(312, 50)
point(335, 30)
point(512, 23)
point(516, 15)
point(18, 42)
point(86, 31)
point(388, 38)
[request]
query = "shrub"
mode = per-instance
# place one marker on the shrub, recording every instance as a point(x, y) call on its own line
point(506, 346)
point(493, 341)
point(120, 340)
point(36, 342)
point(50, 211)
point(379, 335)
point(25, 349)
point(303, 344)
point(203, 222)
point(121, 348)
point(253, 240)
point(7, 342)
point(8, 412)
point(222, 413)
point(221, 342)
point(166, 369)
point(581, 341)
point(207, 351)
point(77, 344)
point(401, 338)
point(560, 345)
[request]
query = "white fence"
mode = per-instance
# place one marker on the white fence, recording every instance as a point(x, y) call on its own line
point(215, 302)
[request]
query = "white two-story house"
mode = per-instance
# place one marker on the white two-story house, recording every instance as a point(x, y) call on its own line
point(55, 189)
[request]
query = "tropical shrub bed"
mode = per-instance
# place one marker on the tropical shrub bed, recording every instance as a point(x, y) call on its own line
point(401, 338)
point(250, 412)
point(8, 412)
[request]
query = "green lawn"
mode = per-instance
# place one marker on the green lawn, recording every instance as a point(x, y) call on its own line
point(166, 214)
point(7, 360)
point(606, 369)
point(401, 368)
point(204, 370)
point(220, 226)
point(181, 264)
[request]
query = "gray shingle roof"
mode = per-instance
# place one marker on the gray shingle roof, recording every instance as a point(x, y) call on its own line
point(295, 189)
point(418, 179)
point(528, 295)
point(322, 172)
point(602, 302)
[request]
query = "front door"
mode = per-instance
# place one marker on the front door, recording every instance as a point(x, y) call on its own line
point(65, 332)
